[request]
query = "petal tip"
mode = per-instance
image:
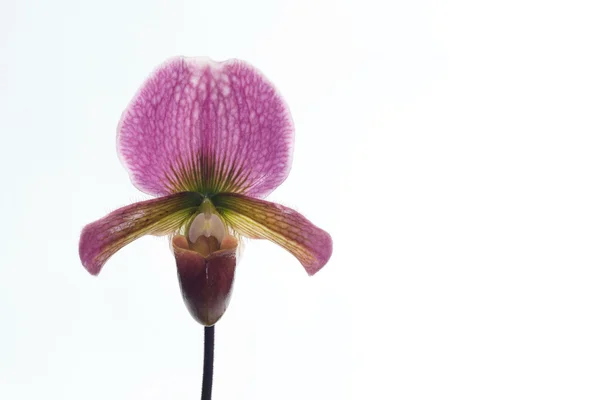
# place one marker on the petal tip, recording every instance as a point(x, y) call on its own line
point(322, 256)
point(86, 251)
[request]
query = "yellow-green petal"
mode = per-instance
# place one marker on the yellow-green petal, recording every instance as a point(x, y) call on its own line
point(261, 219)
point(103, 238)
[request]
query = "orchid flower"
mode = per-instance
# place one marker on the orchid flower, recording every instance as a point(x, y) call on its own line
point(209, 140)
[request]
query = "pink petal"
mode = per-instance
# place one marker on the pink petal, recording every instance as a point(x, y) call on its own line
point(200, 125)
point(103, 238)
point(261, 219)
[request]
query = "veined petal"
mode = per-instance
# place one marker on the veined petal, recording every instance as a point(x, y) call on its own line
point(103, 238)
point(261, 219)
point(205, 126)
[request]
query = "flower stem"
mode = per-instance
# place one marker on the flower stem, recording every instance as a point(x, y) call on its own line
point(209, 354)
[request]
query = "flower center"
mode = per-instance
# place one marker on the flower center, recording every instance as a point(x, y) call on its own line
point(206, 232)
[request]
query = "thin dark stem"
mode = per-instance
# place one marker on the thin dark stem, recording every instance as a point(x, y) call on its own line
point(209, 355)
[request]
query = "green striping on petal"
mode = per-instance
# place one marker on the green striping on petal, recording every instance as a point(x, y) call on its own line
point(201, 172)
point(261, 219)
point(103, 238)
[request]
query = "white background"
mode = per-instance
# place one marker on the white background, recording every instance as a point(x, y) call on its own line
point(450, 148)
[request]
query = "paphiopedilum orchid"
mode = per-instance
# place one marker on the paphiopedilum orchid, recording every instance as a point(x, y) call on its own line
point(209, 140)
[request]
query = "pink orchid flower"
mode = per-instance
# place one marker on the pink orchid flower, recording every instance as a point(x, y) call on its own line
point(209, 140)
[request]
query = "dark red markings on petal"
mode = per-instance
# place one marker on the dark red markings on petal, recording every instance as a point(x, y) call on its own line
point(261, 219)
point(101, 239)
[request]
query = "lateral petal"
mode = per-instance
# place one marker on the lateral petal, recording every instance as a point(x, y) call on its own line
point(103, 238)
point(261, 219)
